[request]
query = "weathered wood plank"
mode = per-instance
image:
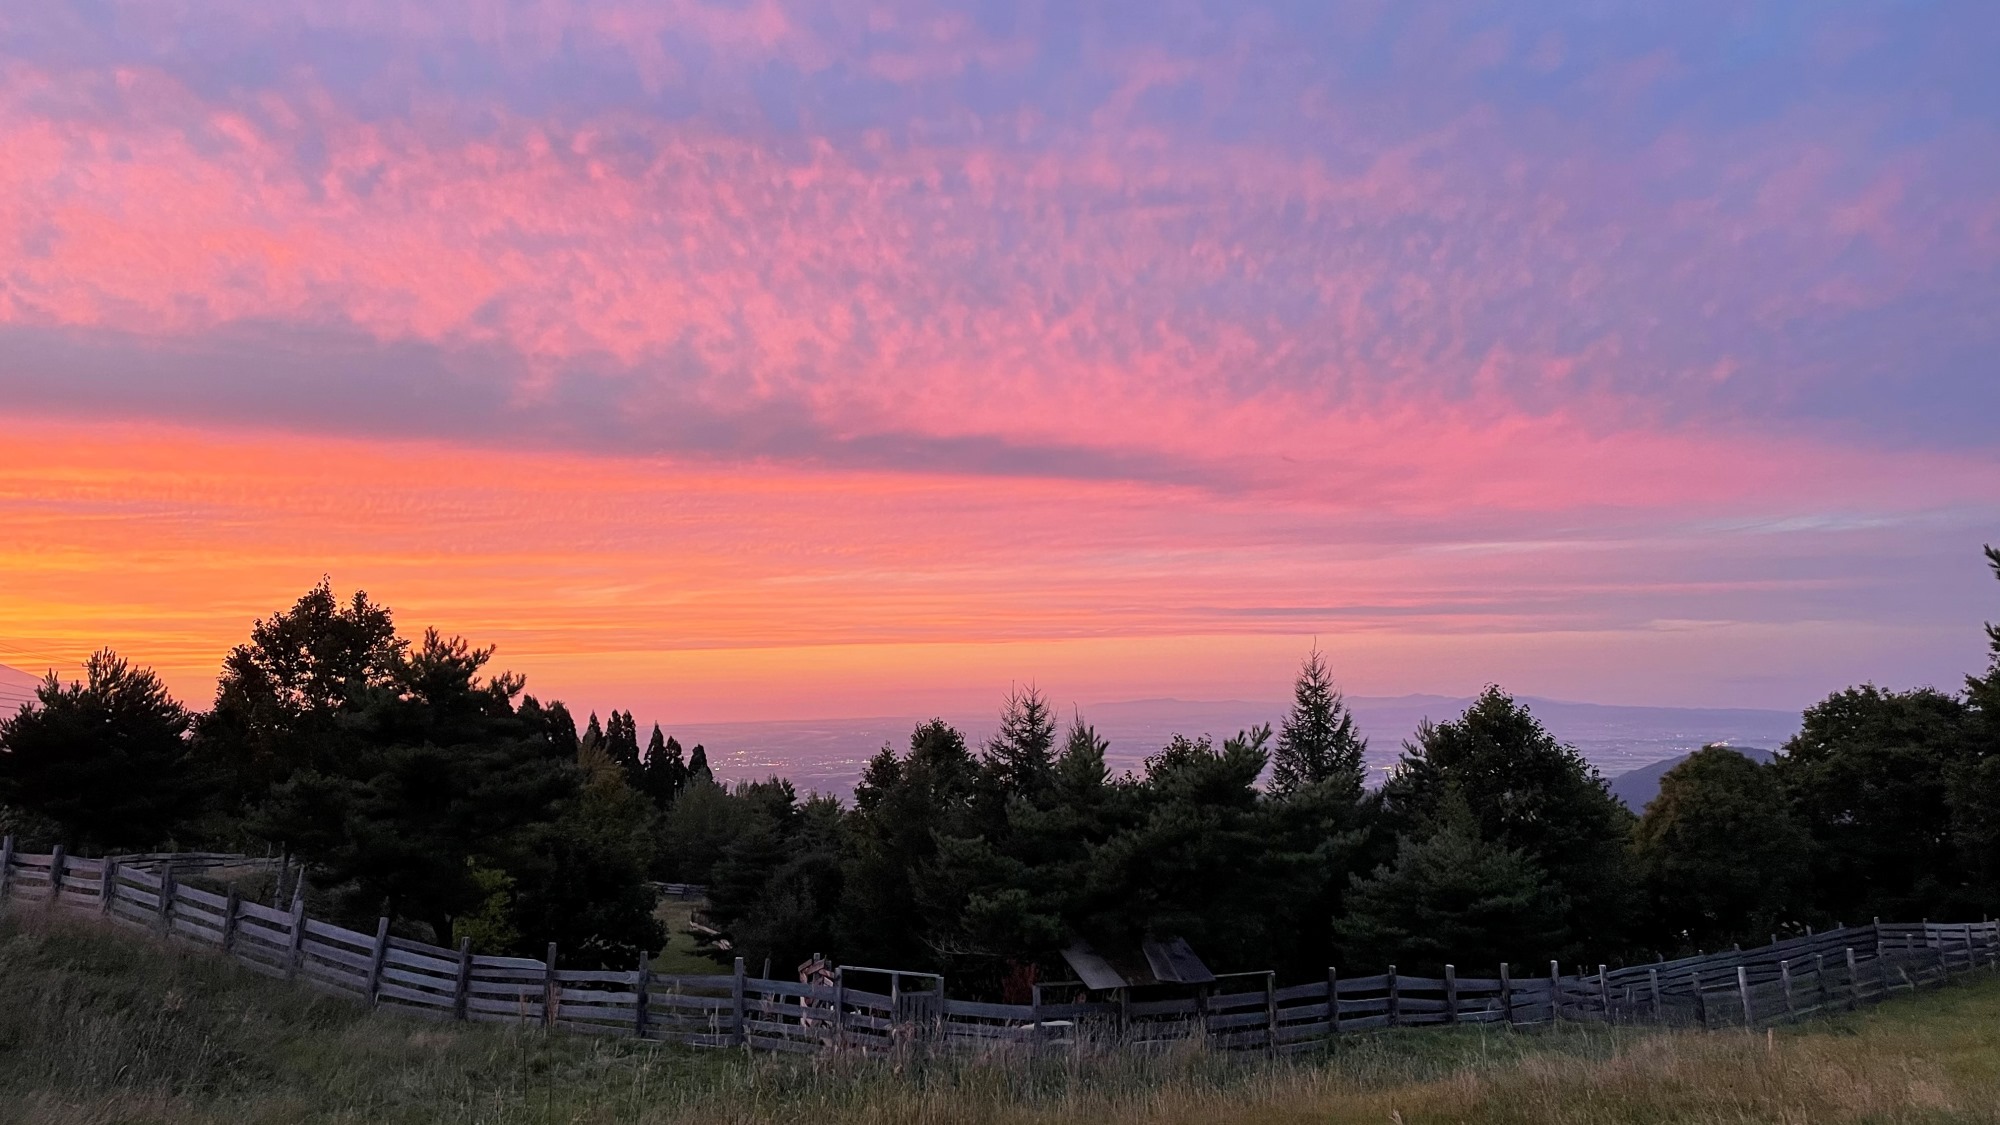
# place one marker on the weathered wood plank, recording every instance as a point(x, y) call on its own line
point(321, 951)
point(694, 983)
point(595, 996)
point(781, 988)
point(440, 984)
point(1315, 990)
point(188, 927)
point(391, 990)
point(509, 973)
point(973, 1008)
point(262, 913)
point(200, 897)
point(593, 976)
point(488, 961)
point(682, 1001)
point(328, 933)
point(406, 958)
point(146, 899)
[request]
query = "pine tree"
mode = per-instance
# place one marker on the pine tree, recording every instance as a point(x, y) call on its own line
point(104, 758)
point(1975, 779)
point(1318, 745)
point(664, 774)
point(1450, 895)
point(621, 744)
point(1021, 755)
point(1527, 792)
point(698, 771)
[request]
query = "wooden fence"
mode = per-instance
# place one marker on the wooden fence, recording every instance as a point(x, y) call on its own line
point(1785, 980)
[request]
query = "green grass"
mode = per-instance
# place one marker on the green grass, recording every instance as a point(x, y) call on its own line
point(107, 1026)
point(679, 956)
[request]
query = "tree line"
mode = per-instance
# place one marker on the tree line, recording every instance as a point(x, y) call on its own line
point(409, 779)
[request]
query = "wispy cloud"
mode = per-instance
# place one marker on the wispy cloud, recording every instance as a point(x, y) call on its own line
point(1066, 323)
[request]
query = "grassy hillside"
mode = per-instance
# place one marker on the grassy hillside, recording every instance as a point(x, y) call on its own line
point(107, 1027)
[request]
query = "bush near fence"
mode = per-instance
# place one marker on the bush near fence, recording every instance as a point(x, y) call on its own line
point(1786, 980)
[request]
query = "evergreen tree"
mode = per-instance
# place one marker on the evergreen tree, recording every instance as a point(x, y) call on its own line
point(664, 774)
point(1974, 793)
point(1527, 793)
point(580, 881)
point(1317, 743)
point(1451, 896)
point(102, 758)
point(1722, 859)
point(410, 775)
point(1870, 777)
point(697, 767)
point(621, 744)
point(902, 807)
point(1195, 854)
point(279, 699)
point(1020, 757)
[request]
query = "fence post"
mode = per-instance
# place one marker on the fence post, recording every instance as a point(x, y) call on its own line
point(1653, 981)
point(1450, 994)
point(1700, 1000)
point(107, 888)
point(1604, 992)
point(642, 1005)
point(550, 989)
point(1034, 1012)
point(839, 1008)
point(1332, 1001)
point(1819, 979)
point(461, 985)
point(230, 906)
point(375, 962)
point(298, 950)
point(1743, 991)
point(55, 874)
point(1555, 993)
point(1853, 980)
point(1271, 1013)
point(167, 899)
point(1506, 995)
point(1785, 974)
point(1395, 999)
point(736, 1030)
point(6, 863)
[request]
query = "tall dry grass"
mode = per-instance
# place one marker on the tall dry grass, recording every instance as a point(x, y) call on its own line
point(99, 1026)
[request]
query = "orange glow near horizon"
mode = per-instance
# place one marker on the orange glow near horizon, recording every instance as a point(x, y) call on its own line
point(710, 593)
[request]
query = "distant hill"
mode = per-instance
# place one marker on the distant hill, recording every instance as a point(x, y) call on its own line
point(828, 754)
point(1637, 788)
point(16, 687)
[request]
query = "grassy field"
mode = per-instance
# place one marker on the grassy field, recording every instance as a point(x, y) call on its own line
point(679, 956)
point(107, 1027)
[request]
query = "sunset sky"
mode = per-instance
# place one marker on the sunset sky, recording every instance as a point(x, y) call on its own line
point(769, 359)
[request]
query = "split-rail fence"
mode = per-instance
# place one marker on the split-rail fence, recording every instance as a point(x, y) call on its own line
point(1785, 980)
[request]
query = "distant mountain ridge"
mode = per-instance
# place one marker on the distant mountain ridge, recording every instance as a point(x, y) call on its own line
point(1637, 788)
point(16, 687)
point(828, 754)
point(1634, 746)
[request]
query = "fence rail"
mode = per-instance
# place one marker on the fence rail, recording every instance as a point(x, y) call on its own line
point(1786, 980)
